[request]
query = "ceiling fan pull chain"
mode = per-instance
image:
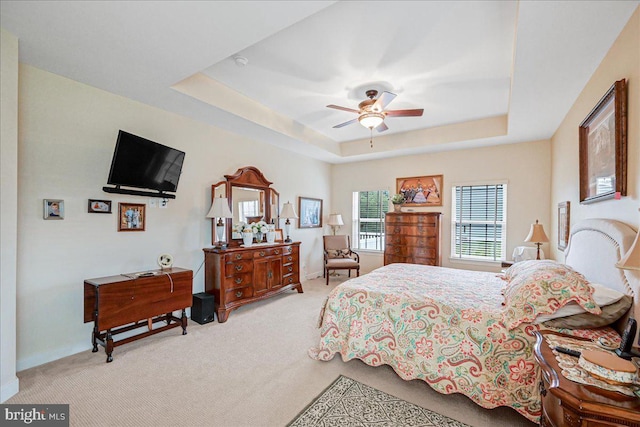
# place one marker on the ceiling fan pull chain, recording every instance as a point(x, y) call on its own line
point(371, 138)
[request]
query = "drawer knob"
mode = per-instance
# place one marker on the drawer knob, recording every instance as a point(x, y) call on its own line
point(277, 251)
point(238, 280)
point(270, 275)
point(290, 269)
point(290, 258)
point(239, 267)
point(239, 294)
point(238, 256)
point(261, 253)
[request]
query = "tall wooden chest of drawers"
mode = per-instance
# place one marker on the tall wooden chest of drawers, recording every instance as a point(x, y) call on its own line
point(412, 237)
point(237, 275)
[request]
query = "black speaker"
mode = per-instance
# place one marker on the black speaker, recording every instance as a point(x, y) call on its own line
point(202, 309)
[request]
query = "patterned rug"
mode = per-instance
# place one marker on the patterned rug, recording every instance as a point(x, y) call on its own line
point(347, 402)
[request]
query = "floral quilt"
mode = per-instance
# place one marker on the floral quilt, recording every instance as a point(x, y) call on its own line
point(440, 325)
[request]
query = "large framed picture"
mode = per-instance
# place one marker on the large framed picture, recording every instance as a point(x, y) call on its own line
point(132, 217)
point(421, 190)
point(53, 209)
point(603, 147)
point(309, 212)
point(564, 217)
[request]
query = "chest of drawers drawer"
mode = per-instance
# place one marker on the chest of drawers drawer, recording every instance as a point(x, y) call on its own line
point(244, 266)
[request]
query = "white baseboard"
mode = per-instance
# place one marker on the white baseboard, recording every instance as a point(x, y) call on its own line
point(9, 389)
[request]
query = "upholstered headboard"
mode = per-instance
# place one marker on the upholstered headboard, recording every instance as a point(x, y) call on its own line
point(595, 246)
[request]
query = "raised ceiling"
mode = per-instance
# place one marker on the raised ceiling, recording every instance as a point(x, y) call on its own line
point(484, 72)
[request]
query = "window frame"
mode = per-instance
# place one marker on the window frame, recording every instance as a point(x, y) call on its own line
point(356, 220)
point(453, 256)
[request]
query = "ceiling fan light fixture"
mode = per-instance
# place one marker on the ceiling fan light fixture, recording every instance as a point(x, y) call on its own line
point(371, 120)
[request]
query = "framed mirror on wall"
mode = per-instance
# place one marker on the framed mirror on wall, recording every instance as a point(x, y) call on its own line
point(250, 198)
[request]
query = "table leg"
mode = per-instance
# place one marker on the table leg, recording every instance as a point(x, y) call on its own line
point(94, 337)
point(184, 322)
point(109, 347)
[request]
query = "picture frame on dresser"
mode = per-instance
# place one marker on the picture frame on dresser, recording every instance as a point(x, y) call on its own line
point(421, 191)
point(603, 147)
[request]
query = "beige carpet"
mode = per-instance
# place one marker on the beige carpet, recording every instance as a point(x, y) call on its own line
point(252, 370)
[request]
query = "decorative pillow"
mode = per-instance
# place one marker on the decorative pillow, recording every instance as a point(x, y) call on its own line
point(610, 313)
point(338, 253)
point(543, 288)
point(524, 267)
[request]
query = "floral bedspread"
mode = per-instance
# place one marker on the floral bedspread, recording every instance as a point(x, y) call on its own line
point(440, 325)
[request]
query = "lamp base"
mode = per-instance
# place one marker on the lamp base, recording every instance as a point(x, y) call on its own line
point(221, 245)
point(288, 240)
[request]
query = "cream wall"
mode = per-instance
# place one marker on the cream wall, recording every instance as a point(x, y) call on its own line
point(67, 133)
point(8, 211)
point(525, 167)
point(621, 62)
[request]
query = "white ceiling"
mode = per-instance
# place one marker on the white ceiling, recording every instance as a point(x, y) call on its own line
point(484, 72)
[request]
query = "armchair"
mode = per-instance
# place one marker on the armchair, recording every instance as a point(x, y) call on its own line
point(339, 256)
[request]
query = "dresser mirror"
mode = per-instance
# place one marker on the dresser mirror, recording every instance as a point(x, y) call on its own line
point(250, 197)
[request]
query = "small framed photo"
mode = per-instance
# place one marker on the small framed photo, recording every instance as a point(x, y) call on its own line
point(420, 190)
point(279, 235)
point(132, 216)
point(309, 212)
point(53, 209)
point(563, 224)
point(99, 206)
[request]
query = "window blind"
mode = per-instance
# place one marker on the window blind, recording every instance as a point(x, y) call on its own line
point(369, 208)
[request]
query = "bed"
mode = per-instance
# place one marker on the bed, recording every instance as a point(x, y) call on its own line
point(458, 330)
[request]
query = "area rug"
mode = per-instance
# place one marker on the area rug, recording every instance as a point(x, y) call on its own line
point(347, 402)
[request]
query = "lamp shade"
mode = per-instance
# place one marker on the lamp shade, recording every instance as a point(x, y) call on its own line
point(220, 208)
point(371, 120)
point(288, 211)
point(536, 234)
point(631, 260)
point(335, 219)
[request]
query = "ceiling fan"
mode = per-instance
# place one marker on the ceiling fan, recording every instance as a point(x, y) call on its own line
point(371, 113)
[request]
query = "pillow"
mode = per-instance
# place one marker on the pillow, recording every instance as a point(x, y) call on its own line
point(543, 288)
point(602, 296)
point(338, 253)
point(525, 267)
point(610, 313)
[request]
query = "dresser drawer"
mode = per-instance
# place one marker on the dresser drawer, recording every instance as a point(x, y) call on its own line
point(293, 278)
point(290, 259)
point(411, 219)
point(424, 251)
point(238, 294)
point(238, 280)
point(417, 241)
point(237, 256)
point(262, 253)
point(289, 250)
point(289, 269)
point(243, 266)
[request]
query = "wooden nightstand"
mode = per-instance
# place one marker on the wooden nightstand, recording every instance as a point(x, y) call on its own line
point(566, 403)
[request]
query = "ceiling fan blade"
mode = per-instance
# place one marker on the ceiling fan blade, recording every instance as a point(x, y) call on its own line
point(382, 127)
point(337, 107)
point(346, 123)
point(383, 100)
point(404, 113)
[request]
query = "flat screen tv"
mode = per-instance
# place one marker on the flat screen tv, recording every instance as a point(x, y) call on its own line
point(141, 163)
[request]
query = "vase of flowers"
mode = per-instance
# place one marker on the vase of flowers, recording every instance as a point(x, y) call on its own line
point(259, 229)
point(247, 238)
point(397, 200)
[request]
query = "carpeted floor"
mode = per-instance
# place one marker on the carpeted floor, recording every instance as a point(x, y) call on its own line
point(347, 402)
point(252, 370)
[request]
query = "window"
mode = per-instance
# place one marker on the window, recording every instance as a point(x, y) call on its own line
point(247, 208)
point(478, 225)
point(369, 208)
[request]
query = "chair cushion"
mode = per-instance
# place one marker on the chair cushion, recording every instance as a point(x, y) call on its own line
point(341, 263)
point(338, 253)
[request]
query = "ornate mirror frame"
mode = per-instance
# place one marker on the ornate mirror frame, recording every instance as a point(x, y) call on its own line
point(248, 177)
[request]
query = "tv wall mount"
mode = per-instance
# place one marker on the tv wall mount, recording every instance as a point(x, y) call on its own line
point(118, 190)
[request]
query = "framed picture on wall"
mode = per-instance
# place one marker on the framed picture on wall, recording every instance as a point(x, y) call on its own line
point(99, 206)
point(132, 216)
point(53, 209)
point(563, 224)
point(309, 212)
point(603, 147)
point(420, 190)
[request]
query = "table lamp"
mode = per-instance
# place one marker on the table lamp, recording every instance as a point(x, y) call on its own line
point(335, 221)
point(288, 212)
point(537, 236)
point(220, 209)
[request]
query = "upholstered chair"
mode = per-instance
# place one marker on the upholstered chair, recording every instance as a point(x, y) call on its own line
point(339, 256)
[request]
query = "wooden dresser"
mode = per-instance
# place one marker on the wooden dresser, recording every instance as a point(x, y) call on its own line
point(125, 302)
point(237, 276)
point(412, 237)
